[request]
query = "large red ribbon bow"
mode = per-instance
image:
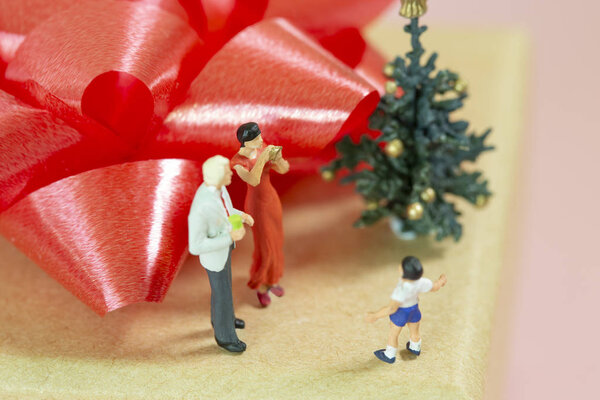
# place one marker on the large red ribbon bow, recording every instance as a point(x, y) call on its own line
point(108, 107)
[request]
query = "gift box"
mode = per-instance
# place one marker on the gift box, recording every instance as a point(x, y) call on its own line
point(313, 342)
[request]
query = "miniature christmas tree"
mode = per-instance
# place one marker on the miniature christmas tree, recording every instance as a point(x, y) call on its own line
point(408, 171)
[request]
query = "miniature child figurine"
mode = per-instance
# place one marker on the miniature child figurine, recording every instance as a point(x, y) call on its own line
point(212, 224)
point(253, 162)
point(404, 308)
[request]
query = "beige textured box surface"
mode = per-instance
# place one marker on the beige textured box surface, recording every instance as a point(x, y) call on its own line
point(313, 343)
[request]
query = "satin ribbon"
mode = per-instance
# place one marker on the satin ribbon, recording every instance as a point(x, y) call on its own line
point(107, 109)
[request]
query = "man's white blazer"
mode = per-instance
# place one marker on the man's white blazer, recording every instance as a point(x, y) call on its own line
point(209, 228)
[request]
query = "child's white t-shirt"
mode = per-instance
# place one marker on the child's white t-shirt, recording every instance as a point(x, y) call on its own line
point(407, 292)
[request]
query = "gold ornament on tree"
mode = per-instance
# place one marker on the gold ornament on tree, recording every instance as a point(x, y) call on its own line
point(460, 86)
point(327, 175)
point(391, 87)
point(394, 148)
point(413, 8)
point(428, 195)
point(481, 200)
point(372, 205)
point(414, 211)
point(388, 70)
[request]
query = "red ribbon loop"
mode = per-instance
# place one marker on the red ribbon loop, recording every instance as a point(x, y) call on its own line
point(112, 236)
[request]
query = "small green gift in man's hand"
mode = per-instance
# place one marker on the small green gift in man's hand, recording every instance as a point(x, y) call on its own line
point(236, 221)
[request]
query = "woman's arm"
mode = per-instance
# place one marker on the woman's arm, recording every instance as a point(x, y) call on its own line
point(252, 177)
point(281, 166)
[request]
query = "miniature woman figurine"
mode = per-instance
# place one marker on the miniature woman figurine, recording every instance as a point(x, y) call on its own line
point(404, 308)
point(253, 162)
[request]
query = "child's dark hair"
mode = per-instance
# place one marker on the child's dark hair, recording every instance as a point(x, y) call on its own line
point(411, 268)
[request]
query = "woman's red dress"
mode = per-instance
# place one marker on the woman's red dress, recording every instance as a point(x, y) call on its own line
point(263, 204)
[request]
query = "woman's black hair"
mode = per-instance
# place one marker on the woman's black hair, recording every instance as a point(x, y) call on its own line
point(247, 132)
point(411, 268)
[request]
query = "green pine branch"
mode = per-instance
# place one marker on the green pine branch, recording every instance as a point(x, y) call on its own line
point(435, 148)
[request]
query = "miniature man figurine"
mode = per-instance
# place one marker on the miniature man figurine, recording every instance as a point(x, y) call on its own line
point(404, 308)
point(212, 237)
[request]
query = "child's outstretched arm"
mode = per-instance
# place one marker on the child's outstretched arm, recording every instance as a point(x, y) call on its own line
point(384, 312)
point(437, 285)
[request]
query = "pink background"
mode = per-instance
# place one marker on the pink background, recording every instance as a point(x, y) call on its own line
point(546, 344)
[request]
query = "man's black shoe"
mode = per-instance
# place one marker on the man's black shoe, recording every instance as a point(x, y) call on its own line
point(236, 347)
point(239, 323)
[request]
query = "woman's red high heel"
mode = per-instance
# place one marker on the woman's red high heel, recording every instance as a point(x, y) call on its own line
point(277, 290)
point(263, 298)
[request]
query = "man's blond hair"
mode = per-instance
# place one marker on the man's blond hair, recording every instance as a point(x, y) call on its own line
point(213, 170)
